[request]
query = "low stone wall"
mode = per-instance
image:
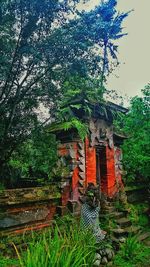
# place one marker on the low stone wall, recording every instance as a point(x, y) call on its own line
point(27, 208)
point(137, 194)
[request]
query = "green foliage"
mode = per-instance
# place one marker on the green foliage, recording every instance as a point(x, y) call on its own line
point(81, 127)
point(78, 94)
point(33, 42)
point(132, 254)
point(40, 46)
point(71, 247)
point(103, 26)
point(2, 187)
point(6, 262)
point(133, 214)
point(35, 158)
point(143, 220)
point(130, 247)
point(136, 149)
point(137, 214)
point(80, 90)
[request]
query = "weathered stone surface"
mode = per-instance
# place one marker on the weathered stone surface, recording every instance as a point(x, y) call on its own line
point(81, 152)
point(82, 175)
point(23, 207)
point(82, 167)
point(132, 229)
point(82, 160)
point(23, 217)
point(143, 236)
point(62, 210)
point(72, 153)
point(81, 145)
point(29, 196)
point(116, 215)
point(109, 253)
point(123, 222)
point(25, 195)
point(81, 183)
point(81, 190)
point(110, 264)
point(98, 256)
point(104, 260)
point(96, 263)
point(110, 209)
point(74, 206)
point(118, 231)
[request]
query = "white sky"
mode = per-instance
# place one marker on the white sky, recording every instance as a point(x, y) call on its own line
point(134, 49)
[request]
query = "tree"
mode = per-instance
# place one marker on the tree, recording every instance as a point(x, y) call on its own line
point(31, 48)
point(35, 158)
point(104, 26)
point(40, 46)
point(136, 148)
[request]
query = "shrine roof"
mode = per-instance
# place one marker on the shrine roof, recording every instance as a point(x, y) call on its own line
point(104, 110)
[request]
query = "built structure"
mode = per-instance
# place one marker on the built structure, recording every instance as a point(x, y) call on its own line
point(97, 159)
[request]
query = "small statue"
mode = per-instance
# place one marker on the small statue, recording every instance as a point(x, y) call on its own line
point(90, 212)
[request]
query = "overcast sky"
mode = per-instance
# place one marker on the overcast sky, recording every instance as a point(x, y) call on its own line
point(134, 49)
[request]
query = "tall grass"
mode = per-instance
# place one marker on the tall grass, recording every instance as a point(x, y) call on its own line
point(132, 254)
point(68, 248)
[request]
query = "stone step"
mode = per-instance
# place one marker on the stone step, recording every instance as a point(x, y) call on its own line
point(118, 240)
point(143, 236)
point(117, 232)
point(146, 242)
point(125, 231)
point(117, 215)
point(132, 229)
point(109, 209)
point(123, 222)
point(113, 214)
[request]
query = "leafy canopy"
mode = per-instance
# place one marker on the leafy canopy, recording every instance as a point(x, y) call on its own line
point(136, 148)
point(42, 43)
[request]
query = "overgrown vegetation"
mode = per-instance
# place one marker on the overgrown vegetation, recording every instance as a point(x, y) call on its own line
point(43, 44)
point(132, 254)
point(32, 160)
point(64, 245)
point(136, 149)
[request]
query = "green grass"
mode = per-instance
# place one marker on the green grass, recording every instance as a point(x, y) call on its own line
point(6, 262)
point(68, 248)
point(132, 254)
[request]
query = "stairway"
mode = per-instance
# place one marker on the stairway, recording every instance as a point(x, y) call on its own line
point(119, 225)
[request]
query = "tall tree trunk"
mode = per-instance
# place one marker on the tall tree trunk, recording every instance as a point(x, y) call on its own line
point(104, 63)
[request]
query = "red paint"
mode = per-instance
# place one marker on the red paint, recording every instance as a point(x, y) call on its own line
point(103, 170)
point(52, 211)
point(90, 155)
point(62, 150)
point(32, 228)
point(111, 179)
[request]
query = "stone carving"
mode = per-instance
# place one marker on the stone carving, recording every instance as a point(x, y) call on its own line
point(81, 166)
point(100, 133)
point(109, 135)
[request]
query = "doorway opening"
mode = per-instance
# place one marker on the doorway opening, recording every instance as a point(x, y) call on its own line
point(101, 168)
